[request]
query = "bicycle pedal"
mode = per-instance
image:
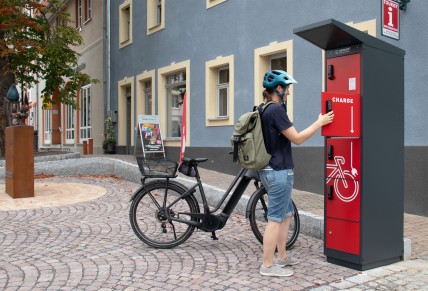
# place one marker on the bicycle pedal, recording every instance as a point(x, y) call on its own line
point(213, 236)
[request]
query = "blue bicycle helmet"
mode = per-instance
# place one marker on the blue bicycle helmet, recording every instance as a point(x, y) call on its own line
point(277, 77)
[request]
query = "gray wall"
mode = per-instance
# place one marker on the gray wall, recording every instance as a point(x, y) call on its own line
point(237, 27)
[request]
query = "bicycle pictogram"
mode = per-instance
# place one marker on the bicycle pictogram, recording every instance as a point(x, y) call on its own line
point(345, 184)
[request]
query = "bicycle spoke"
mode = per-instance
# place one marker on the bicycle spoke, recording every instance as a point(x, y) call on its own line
point(153, 199)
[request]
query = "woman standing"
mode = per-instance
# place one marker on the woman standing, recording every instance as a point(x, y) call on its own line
point(278, 176)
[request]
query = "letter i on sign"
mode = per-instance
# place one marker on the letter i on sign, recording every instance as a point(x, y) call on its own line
point(390, 23)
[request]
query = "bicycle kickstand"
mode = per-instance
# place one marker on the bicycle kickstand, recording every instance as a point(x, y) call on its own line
point(213, 236)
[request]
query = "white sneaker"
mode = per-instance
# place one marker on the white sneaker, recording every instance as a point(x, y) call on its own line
point(289, 261)
point(275, 271)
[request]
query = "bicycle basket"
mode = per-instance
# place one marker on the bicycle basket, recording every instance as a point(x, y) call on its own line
point(157, 167)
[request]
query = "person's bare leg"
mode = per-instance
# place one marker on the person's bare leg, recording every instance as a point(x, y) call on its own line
point(270, 240)
point(283, 237)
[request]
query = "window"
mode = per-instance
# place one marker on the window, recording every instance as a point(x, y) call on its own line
point(219, 91)
point(148, 101)
point(278, 62)
point(125, 23)
point(125, 107)
point(85, 112)
point(173, 80)
point(69, 126)
point(47, 124)
point(174, 86)
point(273, 56)
point(212, 3)
point(145, 92)
point(79, 21)
point(88, 9)
point(223, 92)
point(155, 15)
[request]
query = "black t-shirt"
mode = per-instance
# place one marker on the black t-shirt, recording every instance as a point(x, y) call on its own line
point(274, 121)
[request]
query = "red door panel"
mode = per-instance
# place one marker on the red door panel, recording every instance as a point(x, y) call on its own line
point(343, 158)
point(343, 199)
point(346, 114)
point(343, 235)
point(346, 74)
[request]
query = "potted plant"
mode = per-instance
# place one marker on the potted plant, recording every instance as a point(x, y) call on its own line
point(109, 143)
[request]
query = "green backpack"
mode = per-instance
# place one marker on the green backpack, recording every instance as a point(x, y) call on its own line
point(247, 140)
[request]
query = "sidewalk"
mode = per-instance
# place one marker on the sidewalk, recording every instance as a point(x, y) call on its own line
point(89, 245)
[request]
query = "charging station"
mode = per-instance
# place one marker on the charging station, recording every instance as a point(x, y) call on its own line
point(364, 145)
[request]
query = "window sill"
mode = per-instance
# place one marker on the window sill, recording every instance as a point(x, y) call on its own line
point(87, 20)
point(218, 119)
point(172, 139)
point(155, 28)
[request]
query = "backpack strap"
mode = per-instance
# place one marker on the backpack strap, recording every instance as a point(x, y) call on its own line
point(236, 140)
point(261, 108)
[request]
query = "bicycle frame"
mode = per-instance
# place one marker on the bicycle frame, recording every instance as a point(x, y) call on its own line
point(216, 222)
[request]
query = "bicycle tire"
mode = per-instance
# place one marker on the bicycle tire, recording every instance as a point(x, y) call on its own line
point(258, 218)
point(150, 222)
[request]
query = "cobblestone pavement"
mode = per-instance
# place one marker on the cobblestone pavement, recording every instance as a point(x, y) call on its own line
point(91, 246)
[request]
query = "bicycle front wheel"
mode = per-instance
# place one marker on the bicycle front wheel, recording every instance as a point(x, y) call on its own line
point(154, 209)
point(258, 218)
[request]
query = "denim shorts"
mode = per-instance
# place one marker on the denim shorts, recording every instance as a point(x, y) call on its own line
point(278, 184)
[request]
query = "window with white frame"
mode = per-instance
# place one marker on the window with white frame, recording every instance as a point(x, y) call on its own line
point(79, 20)
point(88, 9)
point(69, 126)
point(47, 126)
point(223, 92)
point(85, 112)
point(175, 85)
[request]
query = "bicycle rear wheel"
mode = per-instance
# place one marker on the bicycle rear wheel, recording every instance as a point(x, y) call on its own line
point(258, 218)
point(152, 209)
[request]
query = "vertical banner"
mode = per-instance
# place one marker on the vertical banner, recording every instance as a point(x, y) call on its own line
point(391, 19)
point(151, 138)
point(183, 129)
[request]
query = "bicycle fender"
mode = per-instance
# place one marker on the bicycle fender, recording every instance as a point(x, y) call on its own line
point(135, 194)
point(250, 201)
point(156, 181)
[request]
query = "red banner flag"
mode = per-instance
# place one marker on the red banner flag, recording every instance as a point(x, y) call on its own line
point(183, 128)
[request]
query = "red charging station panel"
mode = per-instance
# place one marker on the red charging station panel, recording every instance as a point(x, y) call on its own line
point(343, 178)
point(343, 74)
point(346, 109)
point(343, 154)
point(342, 235)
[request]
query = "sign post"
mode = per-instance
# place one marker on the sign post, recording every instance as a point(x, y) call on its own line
point(391, 19)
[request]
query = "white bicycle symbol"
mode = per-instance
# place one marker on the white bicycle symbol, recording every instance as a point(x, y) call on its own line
point(343, 180)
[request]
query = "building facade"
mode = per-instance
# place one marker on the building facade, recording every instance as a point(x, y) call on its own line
point(218, 50)
point(60, 126)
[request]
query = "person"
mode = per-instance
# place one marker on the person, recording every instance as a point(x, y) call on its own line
point(278, 176)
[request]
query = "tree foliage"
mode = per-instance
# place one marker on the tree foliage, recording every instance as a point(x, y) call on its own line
point(37, 48)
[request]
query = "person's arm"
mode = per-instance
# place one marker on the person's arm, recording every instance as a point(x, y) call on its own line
point(300, 137)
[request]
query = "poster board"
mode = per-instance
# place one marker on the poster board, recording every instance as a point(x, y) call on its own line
point(150, 133)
